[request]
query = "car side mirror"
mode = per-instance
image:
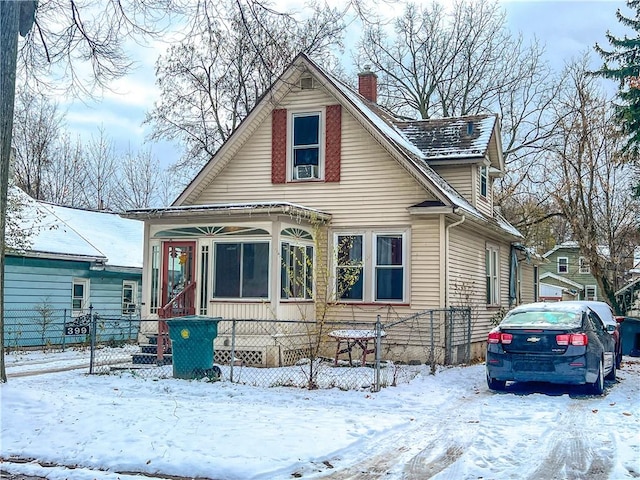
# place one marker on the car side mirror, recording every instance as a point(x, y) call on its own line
point(611, 328)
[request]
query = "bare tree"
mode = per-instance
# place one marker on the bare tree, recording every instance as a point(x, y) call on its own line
point(36, 128)
point(101, 167)
point(139, 181)
point(64, 180)
point(439, 62)
point(79, 48)
point(212, 79)
point(588, 181)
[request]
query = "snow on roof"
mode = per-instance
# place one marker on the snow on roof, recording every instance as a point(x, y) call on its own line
point(70, 231)
point(458, 137)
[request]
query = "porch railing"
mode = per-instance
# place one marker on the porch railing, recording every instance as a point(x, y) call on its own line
point(181, 305)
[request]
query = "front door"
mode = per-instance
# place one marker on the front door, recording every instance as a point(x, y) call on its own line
point(178, 276)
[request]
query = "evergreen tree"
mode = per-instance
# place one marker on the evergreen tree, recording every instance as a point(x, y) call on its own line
point(622, 63)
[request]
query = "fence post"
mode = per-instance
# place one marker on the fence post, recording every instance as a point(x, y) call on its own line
point(93, 338)
point(432, 356)
point(64, 328)
point(233, 349)
point(378, 352)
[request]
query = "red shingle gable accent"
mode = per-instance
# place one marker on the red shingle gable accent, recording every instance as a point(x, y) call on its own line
point(279, 146)
point(333, 143)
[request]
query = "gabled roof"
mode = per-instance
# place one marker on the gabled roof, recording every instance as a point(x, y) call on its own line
point(396, 135)
point(77, 234)
point(561, 279)
point(603, 250)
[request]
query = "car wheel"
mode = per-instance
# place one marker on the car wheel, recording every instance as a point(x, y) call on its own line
point(494, 384)
point(598, 386)
point(618, 360)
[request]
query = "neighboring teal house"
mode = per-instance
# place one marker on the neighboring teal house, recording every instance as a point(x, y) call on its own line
point(77, 259)
point(566, 275)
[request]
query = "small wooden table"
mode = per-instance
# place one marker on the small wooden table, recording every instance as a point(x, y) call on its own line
point(348, 339)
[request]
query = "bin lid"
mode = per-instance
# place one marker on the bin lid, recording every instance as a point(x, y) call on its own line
point(193, 318)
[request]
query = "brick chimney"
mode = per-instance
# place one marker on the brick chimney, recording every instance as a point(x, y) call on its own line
point(368, 84)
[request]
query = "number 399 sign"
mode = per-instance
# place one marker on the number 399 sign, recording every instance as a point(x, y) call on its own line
point(80, 326)
point(77, 329)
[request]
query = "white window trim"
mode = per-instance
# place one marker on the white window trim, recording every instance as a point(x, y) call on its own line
point(298, 244)
point(365, 281)
point(291, 114)
point(374, 257)
point(483, 173)
point(134, 296)
point(85, 298)
point(582, 268)
point(212, 268)
point(566, 259)
point(494, 276)
point(595, 292)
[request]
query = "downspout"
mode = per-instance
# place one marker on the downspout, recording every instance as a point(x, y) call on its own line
point(446, 250)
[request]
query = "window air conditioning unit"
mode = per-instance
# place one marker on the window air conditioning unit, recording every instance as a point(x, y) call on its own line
point(305, 171)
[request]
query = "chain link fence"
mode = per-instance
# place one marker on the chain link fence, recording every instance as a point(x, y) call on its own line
point(303, 354)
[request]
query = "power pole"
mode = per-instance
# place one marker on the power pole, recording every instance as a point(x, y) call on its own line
point(15, 16)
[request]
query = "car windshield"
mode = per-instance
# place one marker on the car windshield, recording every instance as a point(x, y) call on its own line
point(542, 318)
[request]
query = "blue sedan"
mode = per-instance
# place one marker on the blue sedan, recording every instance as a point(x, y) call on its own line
point(551, 342)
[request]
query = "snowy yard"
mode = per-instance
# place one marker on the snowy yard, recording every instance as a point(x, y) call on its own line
point(69, 425)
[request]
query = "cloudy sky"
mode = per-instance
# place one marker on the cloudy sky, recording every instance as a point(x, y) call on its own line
point(567, 27)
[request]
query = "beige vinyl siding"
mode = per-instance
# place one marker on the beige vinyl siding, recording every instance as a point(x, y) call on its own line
point(527, 285)
point(374, 189)
point(484, 204)
point(467, 279)
point(459, 177)
point(425, 264)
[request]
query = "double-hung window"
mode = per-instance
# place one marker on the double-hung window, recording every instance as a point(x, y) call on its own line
point(296, 272)
point(129, 296)
point(492, 264)
point(306, 151)
point(584, 266)
point(376, 277)
point(389, 267)
point(79, 295)
point(241, 270)
point(484, 181)
point(349, 267)
point(563, 265)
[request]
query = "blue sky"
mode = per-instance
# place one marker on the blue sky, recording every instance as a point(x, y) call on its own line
point(567, 27)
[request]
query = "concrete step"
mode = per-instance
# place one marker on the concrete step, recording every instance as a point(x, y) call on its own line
point(151, 359)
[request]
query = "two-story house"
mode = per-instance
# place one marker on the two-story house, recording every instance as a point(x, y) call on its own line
point(320, 190)
point(566, 275)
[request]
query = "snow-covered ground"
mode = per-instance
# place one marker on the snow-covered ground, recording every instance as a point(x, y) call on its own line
point(69, 425)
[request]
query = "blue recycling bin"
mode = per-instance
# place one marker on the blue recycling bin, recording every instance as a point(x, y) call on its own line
point(192, 346)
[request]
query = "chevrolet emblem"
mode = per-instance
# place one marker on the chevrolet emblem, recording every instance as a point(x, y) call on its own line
point(533, 339)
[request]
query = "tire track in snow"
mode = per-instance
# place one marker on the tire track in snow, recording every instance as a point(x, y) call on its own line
point(416, 452)
point(569, 454)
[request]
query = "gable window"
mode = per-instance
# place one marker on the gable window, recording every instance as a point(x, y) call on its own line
point(492, 263)
point(563, 265)
point(584, 266)
point(79, 295)
point(241, 270)
point(129, 296)
point(484, 182)
point(306, 152)
point(296, 272)
point(349, 268)
point(590, 292)
point(389, 267)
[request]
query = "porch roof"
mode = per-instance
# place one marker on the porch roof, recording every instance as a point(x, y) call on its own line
point(228, 209)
